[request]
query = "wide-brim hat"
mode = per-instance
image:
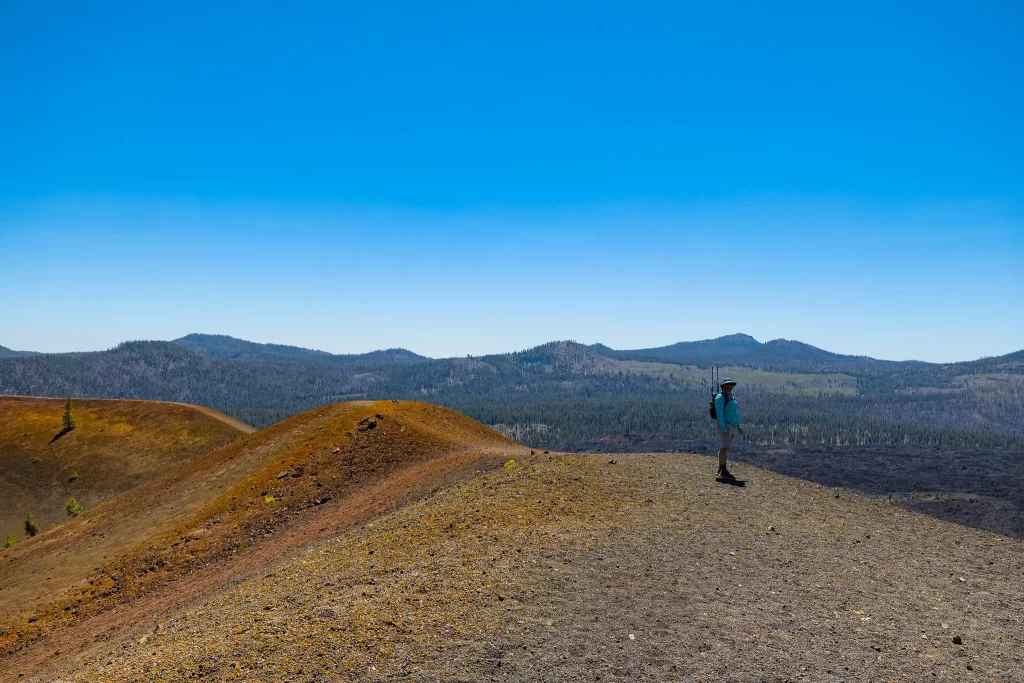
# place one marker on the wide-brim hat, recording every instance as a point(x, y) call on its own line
point(727, 381)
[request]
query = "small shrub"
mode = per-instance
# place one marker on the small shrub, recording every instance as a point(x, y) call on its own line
point(31, 525)
point(73, 507)
point(36, 459)
point(72, 475)
point(10, 542)
point(268, 499)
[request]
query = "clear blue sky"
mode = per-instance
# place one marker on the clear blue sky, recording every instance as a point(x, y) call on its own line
point(481, 177)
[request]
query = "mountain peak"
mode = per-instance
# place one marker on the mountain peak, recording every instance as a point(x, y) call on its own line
point(738, 339)
point(568, 355)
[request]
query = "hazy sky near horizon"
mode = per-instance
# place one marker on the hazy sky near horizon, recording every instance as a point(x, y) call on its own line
point(463, 178)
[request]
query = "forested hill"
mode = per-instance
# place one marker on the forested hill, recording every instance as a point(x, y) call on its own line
point(10, 353)
point(778, 355)
point(564, 394)
point(223, 346)
point(788, 356)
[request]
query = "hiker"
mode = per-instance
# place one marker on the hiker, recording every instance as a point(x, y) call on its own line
point(728, 413)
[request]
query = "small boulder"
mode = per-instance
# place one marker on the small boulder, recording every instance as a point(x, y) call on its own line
point(957, 640)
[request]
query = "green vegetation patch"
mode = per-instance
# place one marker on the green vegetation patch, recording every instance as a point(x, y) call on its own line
point(73, 507)
point(31, 525)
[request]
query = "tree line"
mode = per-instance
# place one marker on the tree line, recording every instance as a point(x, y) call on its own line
point(556, 395)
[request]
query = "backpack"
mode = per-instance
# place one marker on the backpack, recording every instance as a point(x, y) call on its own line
point(711, 405)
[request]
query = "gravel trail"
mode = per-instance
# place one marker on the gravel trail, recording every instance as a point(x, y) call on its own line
point(612, 568)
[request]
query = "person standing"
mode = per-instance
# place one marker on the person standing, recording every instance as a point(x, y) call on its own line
point(728, 412)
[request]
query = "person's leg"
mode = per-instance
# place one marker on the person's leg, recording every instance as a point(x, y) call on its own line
point(723, 452)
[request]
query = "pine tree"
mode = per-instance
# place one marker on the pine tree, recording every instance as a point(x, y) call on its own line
point(69, 419)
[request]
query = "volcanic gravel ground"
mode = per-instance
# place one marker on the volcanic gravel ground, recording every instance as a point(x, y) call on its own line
point(983, 488)
point(613, 568)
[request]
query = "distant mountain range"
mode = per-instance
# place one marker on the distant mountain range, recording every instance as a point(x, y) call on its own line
point(563, 393)
point(780, 355)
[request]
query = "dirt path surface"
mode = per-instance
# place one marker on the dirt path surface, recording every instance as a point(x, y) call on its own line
point(226, 419)
point(599, 568)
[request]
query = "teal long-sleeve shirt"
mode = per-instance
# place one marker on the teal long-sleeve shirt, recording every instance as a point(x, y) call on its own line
point(728, 413)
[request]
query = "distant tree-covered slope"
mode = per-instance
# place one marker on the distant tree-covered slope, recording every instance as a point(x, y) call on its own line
point(781, 355)
point(11, 353)
point(223, 346)
point(563, 392)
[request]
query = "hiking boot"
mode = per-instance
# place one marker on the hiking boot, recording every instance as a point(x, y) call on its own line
point(724, 473)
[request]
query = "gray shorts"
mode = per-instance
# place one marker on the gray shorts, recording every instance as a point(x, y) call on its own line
point(725, 438)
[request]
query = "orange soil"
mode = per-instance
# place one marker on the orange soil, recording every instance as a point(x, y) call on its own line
point(115, 446)
point(155, 547)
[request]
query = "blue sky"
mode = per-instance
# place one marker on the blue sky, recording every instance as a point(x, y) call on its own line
point(467, 178)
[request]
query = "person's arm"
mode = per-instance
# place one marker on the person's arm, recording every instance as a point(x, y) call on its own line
point(720, 412)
